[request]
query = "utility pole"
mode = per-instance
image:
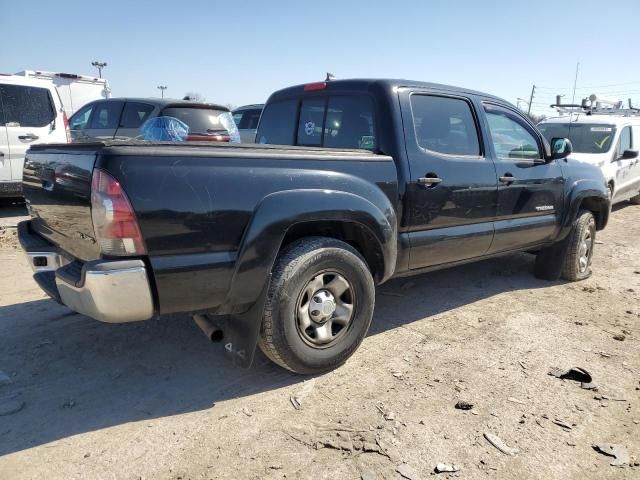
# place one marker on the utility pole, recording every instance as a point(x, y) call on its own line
point(162, 88)
point(99, 66)
point(533, 91)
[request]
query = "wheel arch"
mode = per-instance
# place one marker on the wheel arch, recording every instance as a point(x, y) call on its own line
point(586, 195)
point(283, 217)
point(355, 234)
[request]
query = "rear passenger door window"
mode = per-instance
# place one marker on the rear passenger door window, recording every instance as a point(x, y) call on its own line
point(106, 116)
point(135, 114)
point(445, 125)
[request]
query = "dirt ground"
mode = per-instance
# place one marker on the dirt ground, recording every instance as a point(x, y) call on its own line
point(155, 400)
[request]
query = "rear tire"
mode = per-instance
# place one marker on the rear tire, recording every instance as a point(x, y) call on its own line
point(319, 306)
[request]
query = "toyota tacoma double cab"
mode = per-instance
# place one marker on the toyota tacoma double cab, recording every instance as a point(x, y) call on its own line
point(281, 244)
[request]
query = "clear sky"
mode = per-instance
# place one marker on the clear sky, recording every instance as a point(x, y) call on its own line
point(238, 52)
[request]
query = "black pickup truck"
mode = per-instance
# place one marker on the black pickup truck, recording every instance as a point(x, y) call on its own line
point(281, 244)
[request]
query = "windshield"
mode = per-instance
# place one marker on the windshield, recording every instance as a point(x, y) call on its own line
point(585, 137)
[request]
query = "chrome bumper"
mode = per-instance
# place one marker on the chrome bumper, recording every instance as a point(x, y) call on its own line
point(110, 291)
point(113, 291)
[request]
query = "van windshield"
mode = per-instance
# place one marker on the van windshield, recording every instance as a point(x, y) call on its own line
point(585, 137)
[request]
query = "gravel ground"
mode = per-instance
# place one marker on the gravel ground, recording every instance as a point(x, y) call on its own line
point(81, 399)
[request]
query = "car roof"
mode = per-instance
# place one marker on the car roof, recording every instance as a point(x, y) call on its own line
point(386, 83)
point(164, 102)
point(595, 118)
point(254, 106)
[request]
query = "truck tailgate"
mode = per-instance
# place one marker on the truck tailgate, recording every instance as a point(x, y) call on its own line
point(57, 187)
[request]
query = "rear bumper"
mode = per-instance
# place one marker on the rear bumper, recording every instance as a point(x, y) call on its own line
point(113, 291)
point(10, 189)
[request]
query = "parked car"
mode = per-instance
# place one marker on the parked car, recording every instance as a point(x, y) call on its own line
point(75, 90)
point(122, 118)
point(611, 142)
point(30, 113)
point(247, 119)
point(283, 245)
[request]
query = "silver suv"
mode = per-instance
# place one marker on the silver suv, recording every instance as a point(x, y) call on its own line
point(122, 118)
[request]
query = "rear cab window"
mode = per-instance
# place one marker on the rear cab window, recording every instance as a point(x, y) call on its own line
point(26, 106)
point(329, 121)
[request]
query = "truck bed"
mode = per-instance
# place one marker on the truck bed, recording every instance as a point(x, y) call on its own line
point(193, 201)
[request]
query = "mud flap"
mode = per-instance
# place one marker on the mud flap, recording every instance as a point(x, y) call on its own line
point(550, 260)
point(241, 331)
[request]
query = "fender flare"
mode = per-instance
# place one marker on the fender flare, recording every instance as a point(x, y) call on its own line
point(579, 192)
point(279, 211)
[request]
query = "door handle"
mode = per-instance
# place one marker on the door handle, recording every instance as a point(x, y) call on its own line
point(429, 181)
point(507, 178)
point(28, 136)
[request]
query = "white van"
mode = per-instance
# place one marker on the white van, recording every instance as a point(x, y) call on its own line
point(75, 90)
point(610, 141)
point(30, 112)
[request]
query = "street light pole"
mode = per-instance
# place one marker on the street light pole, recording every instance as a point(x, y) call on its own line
point(162, 88)
point(99, 66)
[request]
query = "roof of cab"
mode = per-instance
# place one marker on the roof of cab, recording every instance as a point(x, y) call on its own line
point(367, 83)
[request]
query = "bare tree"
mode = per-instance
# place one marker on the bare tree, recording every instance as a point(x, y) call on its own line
point(194, 97)
point(536, 118)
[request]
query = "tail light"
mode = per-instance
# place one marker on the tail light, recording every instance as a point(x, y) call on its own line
point(114, 221)
point(67, 128)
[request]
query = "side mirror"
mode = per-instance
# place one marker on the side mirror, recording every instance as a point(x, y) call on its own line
point(560, 148)
point(629, 154)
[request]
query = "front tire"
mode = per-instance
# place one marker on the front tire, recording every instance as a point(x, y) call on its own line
point(319, 306)
point(570, 258)
point(577, 261)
